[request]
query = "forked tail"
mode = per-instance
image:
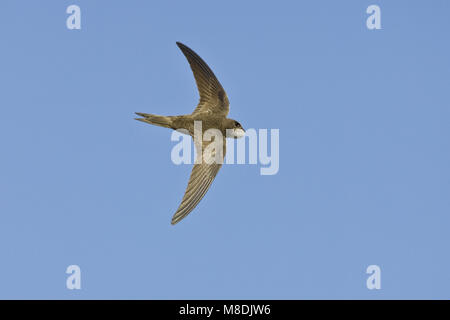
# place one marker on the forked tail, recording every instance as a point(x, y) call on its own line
point(162, 121)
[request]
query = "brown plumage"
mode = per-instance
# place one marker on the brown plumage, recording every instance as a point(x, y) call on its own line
point(212, 111)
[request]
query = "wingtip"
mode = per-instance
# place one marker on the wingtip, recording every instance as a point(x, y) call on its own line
point(175, 219)
point(181, 45)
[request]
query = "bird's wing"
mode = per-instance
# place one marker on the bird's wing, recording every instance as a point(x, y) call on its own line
point(213, 98)
point(203, 173)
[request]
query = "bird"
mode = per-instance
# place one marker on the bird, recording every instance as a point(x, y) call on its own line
point(212, 110)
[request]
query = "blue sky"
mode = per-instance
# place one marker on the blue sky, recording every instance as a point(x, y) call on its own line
point(364, 151)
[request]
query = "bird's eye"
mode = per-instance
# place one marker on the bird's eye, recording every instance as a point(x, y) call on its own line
point(237, 124)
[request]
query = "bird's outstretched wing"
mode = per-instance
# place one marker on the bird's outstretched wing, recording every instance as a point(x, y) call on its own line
point(213, 98)
point(208, 163)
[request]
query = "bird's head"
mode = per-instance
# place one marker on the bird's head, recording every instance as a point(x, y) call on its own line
point(234, 129)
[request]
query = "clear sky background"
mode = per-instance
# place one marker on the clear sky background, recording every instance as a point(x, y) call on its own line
point(364, 150)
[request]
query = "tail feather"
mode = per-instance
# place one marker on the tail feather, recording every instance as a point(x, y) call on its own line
point(162, 121)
